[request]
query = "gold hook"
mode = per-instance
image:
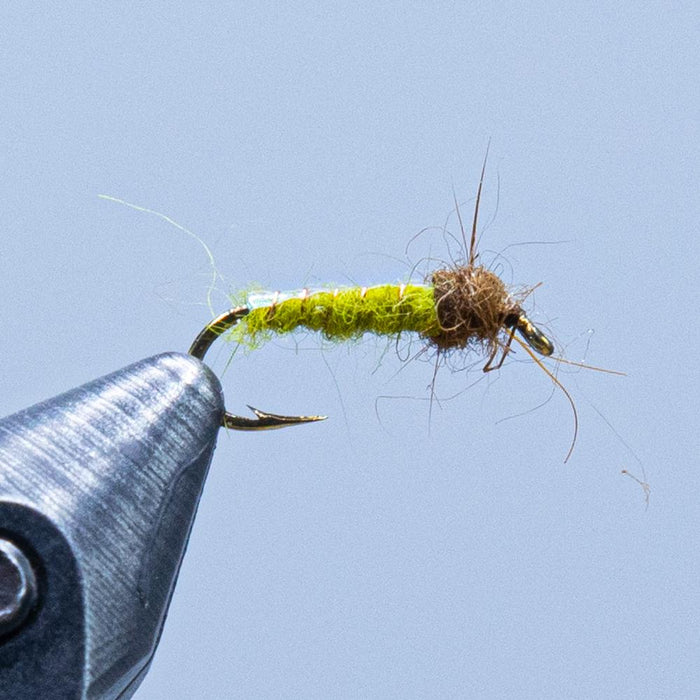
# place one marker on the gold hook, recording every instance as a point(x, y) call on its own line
point(263, 420)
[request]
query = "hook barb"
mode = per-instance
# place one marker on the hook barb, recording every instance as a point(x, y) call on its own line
point(265, 421)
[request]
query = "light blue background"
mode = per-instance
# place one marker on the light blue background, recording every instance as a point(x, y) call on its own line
point(383, 554)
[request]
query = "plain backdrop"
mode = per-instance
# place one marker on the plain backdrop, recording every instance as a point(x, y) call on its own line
point(395, 551)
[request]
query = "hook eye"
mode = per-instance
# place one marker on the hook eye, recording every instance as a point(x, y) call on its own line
point(534, 337)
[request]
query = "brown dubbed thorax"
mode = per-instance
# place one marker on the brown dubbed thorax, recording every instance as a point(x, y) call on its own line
point(473, 306)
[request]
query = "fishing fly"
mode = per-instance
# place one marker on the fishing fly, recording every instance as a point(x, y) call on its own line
point(460, 308)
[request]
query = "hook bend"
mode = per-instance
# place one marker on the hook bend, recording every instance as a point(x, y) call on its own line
point(262, 420)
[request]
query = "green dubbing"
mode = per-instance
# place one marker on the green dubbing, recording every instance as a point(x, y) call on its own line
point(345, 314)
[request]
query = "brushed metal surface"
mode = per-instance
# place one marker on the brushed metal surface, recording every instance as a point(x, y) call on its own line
point(102, 485)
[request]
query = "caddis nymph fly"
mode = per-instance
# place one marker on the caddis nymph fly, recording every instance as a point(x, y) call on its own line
point(460, 308)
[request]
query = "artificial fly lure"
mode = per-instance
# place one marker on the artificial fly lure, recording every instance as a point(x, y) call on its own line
point(462, 307)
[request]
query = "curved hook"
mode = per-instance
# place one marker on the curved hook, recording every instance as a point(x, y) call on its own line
point(263, 420)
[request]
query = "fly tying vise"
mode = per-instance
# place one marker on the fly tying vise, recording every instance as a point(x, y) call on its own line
point(461, 307)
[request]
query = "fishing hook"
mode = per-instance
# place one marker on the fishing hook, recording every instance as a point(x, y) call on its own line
point(263, 420)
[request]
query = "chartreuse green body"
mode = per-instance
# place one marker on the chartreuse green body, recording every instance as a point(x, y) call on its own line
point(340, 314)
